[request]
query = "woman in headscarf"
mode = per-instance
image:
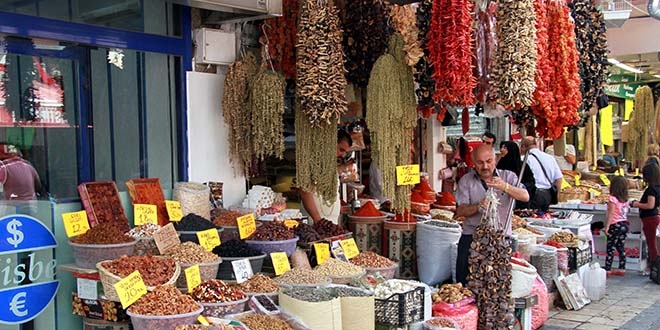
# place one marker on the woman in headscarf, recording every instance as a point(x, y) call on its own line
point(511, 161)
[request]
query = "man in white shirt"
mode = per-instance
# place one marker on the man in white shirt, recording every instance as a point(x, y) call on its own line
point(566, 161)
point(546, 173)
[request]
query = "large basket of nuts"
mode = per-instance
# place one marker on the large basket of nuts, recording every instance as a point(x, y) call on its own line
point(154, 270)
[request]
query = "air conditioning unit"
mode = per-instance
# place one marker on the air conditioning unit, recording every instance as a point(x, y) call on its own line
point(253, 7)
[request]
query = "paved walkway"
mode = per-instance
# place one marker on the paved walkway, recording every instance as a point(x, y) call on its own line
point(632, 302)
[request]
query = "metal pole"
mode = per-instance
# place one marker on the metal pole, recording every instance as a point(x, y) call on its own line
point(511, 200)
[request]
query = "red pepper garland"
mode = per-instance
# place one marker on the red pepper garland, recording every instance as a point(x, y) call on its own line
point(282, 38)
point(450, 52)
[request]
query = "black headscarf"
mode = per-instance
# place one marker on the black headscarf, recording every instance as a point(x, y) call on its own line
point(512, 162)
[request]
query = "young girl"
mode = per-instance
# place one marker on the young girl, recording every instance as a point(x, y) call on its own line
point(616, 226)
point(648, 209)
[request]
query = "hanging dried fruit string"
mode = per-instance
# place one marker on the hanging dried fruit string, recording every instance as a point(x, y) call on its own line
point(542, 105)
point(320, 84)
point(423, 70)
point(565, 81)
point(236, 111)
point(641, 123)
point(450, 52)
point(486, 43)
point(283, 38)
point(365, 37)
point(514, 66)
point(591, 42)
point(391, 116)
point(404, 21)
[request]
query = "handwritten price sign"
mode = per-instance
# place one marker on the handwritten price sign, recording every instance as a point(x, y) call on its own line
point(246, 225)
point(193, 277)
point(130, 289)
point(75, 223)
point(166, 238)
point(242, 270)
point(174, 210)
point(322, 252)
point(350, 248)
point(145, 213)
point(209, 238)
point(407, 175)
point(280, 262)
point(565, 184)
point(605, 180)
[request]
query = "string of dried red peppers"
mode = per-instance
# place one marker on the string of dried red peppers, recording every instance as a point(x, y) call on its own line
point(450, 52)
point(542, 106)
point(282, 38)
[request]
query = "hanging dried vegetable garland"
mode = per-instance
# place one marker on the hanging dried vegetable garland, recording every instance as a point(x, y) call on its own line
point(267, 107)
point(236, 110)
point(591, 42)
point(404, 21)
point(544, 68)
point(283, 38)
point(423, 69)
point(320, 83)
point(514, 66)
point(486, 42)
point(450, 52)
point(565, 81)
point(365, 37)
point(641, 122)
point(391, 116)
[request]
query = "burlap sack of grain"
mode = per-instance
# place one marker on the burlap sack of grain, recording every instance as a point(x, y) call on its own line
point(325, 315)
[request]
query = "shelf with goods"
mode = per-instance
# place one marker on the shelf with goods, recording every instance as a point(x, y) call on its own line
point(636, 251)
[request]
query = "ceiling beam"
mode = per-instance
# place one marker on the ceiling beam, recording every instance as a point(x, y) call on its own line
point(639, 35)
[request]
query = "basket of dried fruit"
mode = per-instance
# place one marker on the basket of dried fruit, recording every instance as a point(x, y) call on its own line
point(154, 270)
point(165, 308)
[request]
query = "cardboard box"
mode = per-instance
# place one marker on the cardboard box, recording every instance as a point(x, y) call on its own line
point(100, 309)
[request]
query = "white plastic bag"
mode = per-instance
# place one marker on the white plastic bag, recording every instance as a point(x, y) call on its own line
point(434, 246)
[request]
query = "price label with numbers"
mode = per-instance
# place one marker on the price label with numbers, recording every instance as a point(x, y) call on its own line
point(280, 262)
point(145, 213)
point(338, 251)
point(407, 175)
point(577, 180)
point(594, 191)
point(565, 184)
point(130, 289)
point(166, 238)
point(290, 223)
point(75, 223)
point(174, 210)
point(322, 252)
point(350, 248)
point(605, 180)
point(193, 277)
point(242, 270)
point(246, 225)
point(209, 238)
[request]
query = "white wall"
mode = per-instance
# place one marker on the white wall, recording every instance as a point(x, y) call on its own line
point(639, 35)
point(208, 152)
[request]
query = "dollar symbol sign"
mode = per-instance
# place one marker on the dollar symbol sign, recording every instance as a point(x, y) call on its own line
point(17, 235)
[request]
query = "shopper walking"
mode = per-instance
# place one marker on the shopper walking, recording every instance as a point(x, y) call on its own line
point(616, 224)
point(547, 174)
point(648, 210)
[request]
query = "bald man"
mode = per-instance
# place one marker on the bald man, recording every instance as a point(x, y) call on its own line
point(471, 202)
point(546, 173)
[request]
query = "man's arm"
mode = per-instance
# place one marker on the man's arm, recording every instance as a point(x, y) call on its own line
point(467, 210)
point(570, 155)
point(307, 199)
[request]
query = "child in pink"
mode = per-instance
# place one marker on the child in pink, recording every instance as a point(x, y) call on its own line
point(616, 227)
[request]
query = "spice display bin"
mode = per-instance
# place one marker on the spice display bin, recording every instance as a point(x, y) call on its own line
point(207, 271)
point(221, 309)
point(387, 272)
point(226, 270)
point(88, 255)
point(368, 232)
point(163, 322)
point(267, 247)
point(401, 309)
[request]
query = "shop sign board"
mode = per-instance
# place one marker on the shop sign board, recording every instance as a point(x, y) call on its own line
point(23, 302)
point(621, 86)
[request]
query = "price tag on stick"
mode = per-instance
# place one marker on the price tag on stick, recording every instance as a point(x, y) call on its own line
point(174, 210)
point(242, 270)
point(577, 180)
point(280, 262)
point(166, 238)
point(144, 213)
point(407, 175)
point(350, 248)
point(130, 289)
point(246, 225)
point(322, 252)
point(209, 238)
point(605, 180)
point(75, 223)
point(193, 277)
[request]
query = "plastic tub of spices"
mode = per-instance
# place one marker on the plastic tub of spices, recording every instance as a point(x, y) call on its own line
point(220, 309)
point(387, 272)
point(163, 322)
point(226, 270)
point(267, 247)
point(207, 271)
point(88, 255)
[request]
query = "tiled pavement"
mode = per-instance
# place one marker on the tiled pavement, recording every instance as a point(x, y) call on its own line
point(632, 302)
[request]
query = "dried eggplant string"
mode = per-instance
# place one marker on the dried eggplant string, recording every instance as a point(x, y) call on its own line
point(391, 116)
point(236, 111)
point(423, 69)
point(640, 124)
point(320, 84)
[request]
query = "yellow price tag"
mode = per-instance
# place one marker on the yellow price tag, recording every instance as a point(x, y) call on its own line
point(565, 184)
point(174, 210)
point(636, 171)
point(246, 225)
point(209, 238)
point(350, 248)
point(322, 252)
point(577, 180)
point(202, 320)
point(193, 278)
point(280, 262)
point(289, 223)
point(594, 191)
point(75, 223)
point(605, 180)
point(407, 175)
point(622, 172)
point(144, 213)
point(130, 289)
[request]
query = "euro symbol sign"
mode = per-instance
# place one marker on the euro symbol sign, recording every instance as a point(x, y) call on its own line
point(17, 234)
point(17, 304)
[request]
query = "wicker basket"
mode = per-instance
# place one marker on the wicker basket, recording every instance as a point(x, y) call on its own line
point(566, 196)
point(108, 280)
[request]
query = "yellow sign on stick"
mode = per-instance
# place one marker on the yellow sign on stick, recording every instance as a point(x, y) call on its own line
point(145, 213)
point(209, 238)
point(193, 277)
point(174, 210)
point(350, 248)
point(577, 180)
point(322, 252)
point(246, 225)
point(606, 181)
point(75, 223)
point(130, 289)
point(280, 262)
point(407, 175)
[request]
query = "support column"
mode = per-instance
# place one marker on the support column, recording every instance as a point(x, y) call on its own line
point(435, 161)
